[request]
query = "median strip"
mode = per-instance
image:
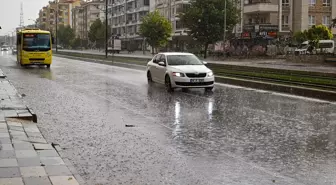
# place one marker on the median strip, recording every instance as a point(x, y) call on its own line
point(319, 82)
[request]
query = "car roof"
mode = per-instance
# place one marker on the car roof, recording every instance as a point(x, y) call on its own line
point(175, 53)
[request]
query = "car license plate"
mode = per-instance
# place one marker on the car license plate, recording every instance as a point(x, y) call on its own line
point(196, 80)
point(35, 62)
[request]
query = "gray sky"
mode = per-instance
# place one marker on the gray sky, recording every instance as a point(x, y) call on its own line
point(10, 13)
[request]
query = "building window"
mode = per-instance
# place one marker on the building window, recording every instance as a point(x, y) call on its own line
point(312, 2)
point(311, 20)
point(326, 2)
point(285, 3)
point(326, 20)
point(285, 21)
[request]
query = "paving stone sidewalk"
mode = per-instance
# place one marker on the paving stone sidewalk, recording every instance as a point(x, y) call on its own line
point(27, 159)
point(25, 156)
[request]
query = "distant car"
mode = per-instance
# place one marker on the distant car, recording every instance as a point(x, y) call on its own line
point(4, 49)
point(59, 47)
point(14, 51)
point(179, 70)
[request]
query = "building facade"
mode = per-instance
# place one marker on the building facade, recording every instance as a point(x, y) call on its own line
point(125, 20)
point(171, 9)
point(85, 15)
point(61, 10)
point(274, 18)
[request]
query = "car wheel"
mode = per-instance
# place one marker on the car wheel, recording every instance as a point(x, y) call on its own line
point(48, 66)
point(168, 84)
point(149, 77)
point(184, 89)
point(209, 88)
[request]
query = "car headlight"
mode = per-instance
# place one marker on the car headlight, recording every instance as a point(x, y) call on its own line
point(178, 74)
point(210, 74)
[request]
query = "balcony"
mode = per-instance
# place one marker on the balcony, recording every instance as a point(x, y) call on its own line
point(260, 7)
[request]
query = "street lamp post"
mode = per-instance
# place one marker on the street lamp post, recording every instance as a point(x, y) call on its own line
point(224, 34)
point(106, 28)
point(56, 16)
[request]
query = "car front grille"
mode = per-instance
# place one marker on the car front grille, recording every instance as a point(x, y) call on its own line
point(194, 84)
point(194, 75)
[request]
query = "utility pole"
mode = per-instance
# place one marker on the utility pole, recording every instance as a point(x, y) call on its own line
point(56, 16)
point(224, 35)
point(106, 28)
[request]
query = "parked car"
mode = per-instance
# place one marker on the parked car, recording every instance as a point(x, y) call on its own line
point(179, 70)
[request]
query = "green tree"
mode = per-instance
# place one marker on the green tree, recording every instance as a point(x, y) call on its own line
point(156, 29)
point(300, 36)
point(97, 33)
point(65, 35)
point(75, 43)
point(314, 35)
point(205, 20)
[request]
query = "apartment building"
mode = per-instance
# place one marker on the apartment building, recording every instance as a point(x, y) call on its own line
point(61, 10)
point(84, 15)
point(125, 20)
point(273, 18)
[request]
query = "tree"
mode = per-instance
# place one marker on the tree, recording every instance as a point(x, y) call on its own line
point(300, 36)
point(65, 35)
point(75, 43)
point(97, 33)
point(314, 35)
point(205, 20)
point(156, 29)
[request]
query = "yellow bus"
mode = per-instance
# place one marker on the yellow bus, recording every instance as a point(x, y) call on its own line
point(34, 47)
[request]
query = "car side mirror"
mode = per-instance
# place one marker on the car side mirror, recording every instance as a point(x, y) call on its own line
point(205, 63)
point(162, 63)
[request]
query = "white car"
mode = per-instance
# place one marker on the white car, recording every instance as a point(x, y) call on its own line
point(179, 70)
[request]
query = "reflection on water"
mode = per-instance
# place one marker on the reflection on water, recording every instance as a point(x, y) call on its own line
point(210, 109)
point(177, 121)
point(48, 74)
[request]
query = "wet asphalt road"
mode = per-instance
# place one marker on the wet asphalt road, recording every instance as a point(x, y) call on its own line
point(232, 136)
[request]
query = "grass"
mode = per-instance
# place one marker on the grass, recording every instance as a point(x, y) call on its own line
point(303, 78)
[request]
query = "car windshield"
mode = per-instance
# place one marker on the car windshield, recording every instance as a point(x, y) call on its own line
point(175, 60)
point(36, 42)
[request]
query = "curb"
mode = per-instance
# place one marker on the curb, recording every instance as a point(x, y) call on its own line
point(68, 163)
point(33, 114)
point(295, 90)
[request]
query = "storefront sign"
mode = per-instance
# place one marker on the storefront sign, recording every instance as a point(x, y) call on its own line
point(269, 28)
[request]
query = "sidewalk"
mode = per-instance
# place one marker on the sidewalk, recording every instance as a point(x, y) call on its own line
point(262, 63)
point(26, 158)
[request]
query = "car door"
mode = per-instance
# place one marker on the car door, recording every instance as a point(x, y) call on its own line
point(153, 67)
point(161, 70)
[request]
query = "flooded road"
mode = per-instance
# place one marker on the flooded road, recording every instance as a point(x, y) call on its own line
point(231, 136)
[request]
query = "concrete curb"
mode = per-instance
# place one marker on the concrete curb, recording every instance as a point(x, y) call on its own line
point(68, 163)
point(33, 114)
point(295, 90)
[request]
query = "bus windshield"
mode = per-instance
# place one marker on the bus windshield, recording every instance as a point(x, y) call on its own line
point(36, 42)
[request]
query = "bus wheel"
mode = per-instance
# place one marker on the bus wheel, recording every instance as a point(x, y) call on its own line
point(48, 66)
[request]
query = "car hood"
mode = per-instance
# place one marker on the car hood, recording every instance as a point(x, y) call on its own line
point(190, 69)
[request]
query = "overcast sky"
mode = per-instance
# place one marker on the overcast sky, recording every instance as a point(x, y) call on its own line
point(10, 13)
